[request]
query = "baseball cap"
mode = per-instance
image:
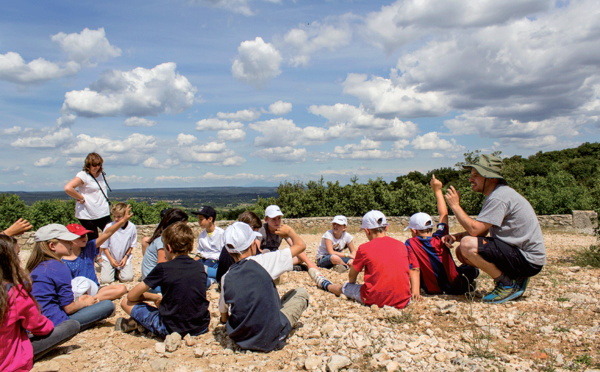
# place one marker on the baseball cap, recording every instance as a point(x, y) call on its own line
point(78, 229)
point(340, 220)
point(273, 211)
point(420, 221)
point(54, 231)
point(207, 212)
point(239, 236)
point(373, 220)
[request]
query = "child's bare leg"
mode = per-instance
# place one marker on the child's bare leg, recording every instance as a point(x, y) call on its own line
point(302, 257)
point(127, 305)
point(111, 292)
point(323, 282)
point(336, 289)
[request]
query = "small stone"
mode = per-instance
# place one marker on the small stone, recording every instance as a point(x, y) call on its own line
point(172, 342)
point(559, 360)
point(392, 366)
point(198, 352)
point(312, 363)
point(189, 341)
point(574, 269)
point(337, 362)
point(50, 366)
point(159, 364)
point(159, 347)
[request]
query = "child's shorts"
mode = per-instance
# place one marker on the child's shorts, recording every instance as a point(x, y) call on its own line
point(325, 261)
point(352, 291)
point(149, 318)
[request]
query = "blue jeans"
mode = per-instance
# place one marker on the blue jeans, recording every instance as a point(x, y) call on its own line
point(211, 270)
point(325, 261)
point(88, 316)
point(149, 318)
point(61, 333)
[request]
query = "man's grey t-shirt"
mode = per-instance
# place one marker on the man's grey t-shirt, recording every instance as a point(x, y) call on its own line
point(514, 222)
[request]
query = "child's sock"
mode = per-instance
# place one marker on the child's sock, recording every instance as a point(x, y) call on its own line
point(319, 279)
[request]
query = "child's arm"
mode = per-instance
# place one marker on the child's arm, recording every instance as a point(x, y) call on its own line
point(415, 284)
point(331, 251)
point(139, 293)
point(83, 302)
point(109, 231)
point(436, 186)
point(126, 257)
point(352, 249)
point(298, 246)
point(17, 228)
point(111, 259)
point(352, 275)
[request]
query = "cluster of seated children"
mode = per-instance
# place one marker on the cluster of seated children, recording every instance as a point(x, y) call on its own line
point(60, 295)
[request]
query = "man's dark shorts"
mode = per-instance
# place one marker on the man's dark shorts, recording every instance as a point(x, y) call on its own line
point(507, 258)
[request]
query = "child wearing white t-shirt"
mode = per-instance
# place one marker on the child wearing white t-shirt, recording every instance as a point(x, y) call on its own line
point(210, 242)
point(117, 250)
point(333, 243)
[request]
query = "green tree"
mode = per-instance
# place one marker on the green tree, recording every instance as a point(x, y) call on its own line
point(11, 209)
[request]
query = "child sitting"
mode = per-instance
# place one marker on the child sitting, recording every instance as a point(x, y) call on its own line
point(19, 312)
point(256, 318)
point(386, 262)
point(438, 272)
point(183, 307)
point(81, 261)
point(117, 250)
point(330, 253)
point(210, 242)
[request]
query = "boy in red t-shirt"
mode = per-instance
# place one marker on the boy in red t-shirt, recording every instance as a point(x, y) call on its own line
point(386, 263)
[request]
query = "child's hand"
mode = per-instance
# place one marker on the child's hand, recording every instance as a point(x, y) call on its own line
point(416, 297)
point(18, 227)
point(123, 262)
point(113, 263)
point(448, 240)
point(157, 301)
point(87, 300)
point(128, 214)
point(284, 231)
point(435, 183)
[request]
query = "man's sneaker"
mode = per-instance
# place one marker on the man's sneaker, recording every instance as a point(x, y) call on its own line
point(340, 268)
point(126, 325)
point(297, 268)
point(318, 278)
point(502, 293)
point(522, 283)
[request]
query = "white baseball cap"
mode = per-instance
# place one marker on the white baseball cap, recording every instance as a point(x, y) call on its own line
point(54, 231)
point(239, 236)
point(373, 220)
point(340, 220)
point(273, 211)
point(420, 221)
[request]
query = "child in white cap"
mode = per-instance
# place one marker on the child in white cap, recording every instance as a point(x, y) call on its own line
point(438, 272)
point(386, 263)
point(256, 318)
point(334, 242)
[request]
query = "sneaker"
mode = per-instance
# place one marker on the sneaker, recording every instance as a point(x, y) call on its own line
point(126, 325)
point(340, 268)
point(502, 293)
point(318, 278)
point(297, 268)
point(522, 286)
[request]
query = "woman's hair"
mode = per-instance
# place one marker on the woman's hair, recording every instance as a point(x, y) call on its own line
point(173, 215)
point(179, 237)
point(41, 252)
point(90, 159)
point(11, 272)
point(251, 219)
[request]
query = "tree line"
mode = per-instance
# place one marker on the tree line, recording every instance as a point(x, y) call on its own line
point(555, 182)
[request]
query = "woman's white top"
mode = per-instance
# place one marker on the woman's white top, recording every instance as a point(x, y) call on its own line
point(95, 205)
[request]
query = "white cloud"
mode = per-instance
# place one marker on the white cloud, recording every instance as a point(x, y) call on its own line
point(367, 150)
point(87, 47)
point(285, 154)
point(139, 92)
point(315, 38)
point(11, 131)
point(152, 162)
point(135, 179)
point(214, 153)
point(66, 120)
point(13, 68)
point(432, 141)
point(437, 155)
point(278, 132)
point(235, 6)
point(133, 149)
point(233, 135)
point(257, 63)
point(139, 122)
point(280, 108)
point(50, 138)
point(185, 139)
point(216, 124)
point(242, 115)
point(44, 162)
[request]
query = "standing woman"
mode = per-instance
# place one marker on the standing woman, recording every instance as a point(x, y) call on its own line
point(89, 189)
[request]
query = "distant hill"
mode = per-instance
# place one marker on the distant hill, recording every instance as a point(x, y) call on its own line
point(190, 197)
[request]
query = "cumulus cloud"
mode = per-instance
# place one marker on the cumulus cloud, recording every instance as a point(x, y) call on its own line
point(284, 131)
point(11, 131)
point(139, 92)
point(134, 149)
point(66, 120)
point(216, 124)
point(49, 138)
point(280, 108)
point(286, 154)
point(233, 135)
point(139, 122)
point(432, 141)
point(235, 6)
point(152, 162)
point(215, 153)
point(317, 37)
point(87, 47)
point(13, 68)
point(185, 139)
point(242, 115)
point(367, 150)
point(44, 162)
point(257, 63)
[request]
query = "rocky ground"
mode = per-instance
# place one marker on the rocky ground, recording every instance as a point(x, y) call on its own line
point(555, 326)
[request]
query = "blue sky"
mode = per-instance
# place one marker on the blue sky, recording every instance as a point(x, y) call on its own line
point(190, 93)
